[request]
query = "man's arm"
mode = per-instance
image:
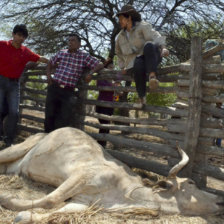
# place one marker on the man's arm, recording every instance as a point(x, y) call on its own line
point(43, 60)
point(96, 69)
point(49, 69)
point(30, 65)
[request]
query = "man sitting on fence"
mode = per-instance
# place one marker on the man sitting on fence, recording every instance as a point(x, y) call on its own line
point(70, 65)
point(13, 59)
point(139, 49)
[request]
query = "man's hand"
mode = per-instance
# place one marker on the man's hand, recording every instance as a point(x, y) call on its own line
point(88, 78)
point(49, 69)
point(43, 60)
point(124, 72)
point(30, 65)
point(49, 79)
point(165, 52)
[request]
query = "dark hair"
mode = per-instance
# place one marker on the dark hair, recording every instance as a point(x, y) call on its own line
point(21, 28)
point(75, 35)
point(134, 17)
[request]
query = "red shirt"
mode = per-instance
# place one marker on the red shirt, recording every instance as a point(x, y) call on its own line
point(13, 60)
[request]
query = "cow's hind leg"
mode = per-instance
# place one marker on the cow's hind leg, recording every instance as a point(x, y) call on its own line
point(71, 187)
point(17, 151)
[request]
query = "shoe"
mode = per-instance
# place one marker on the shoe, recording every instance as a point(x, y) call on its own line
point(138, 105)
point(8, 142)
point(102, 143)
point(144, 100)
point(141, 103)
point(153, 83)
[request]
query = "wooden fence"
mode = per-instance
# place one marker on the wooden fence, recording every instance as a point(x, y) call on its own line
point(149, 141)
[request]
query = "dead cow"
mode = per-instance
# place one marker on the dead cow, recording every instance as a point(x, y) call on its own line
point(76, 164)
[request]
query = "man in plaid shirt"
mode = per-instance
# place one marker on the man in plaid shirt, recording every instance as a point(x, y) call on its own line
point(70, 65)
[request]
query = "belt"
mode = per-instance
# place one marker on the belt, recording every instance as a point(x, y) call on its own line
point(63, 86)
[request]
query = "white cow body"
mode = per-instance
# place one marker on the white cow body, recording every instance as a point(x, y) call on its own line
point(76, 164)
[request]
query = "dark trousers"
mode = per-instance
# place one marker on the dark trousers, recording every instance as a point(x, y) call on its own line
point(10, 97)
point(59, 103)
point(145, 64)
point(107, 111)
point(3, 116)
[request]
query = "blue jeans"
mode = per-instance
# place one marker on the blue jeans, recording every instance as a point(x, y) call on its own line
point(219, 142)
point(9, 95)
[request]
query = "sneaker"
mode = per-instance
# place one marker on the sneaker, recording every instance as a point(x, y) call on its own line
point(153, 83)
point(141, 103)
point(138, 105)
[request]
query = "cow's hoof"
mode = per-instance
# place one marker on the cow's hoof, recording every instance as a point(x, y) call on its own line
point(24, 217)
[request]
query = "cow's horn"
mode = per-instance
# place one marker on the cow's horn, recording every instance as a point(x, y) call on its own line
point(173, 172)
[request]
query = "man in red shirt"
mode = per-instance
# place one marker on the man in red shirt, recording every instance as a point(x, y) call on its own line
point(13, 59)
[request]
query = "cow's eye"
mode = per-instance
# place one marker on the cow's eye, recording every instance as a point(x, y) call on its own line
point(191, 182)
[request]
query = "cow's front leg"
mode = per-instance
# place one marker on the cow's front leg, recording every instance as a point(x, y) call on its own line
point(26, 217)
point(71, 187)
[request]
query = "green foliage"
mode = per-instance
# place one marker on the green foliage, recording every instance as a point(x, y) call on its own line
point(36, 86)
point(156, 99)
point(179, 39)
point(162, 99)
point(116, 112)
point(159, 99)
point(92, 94)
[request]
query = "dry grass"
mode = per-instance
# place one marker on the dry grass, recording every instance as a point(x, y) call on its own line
point(22, 187)
point(77, 218)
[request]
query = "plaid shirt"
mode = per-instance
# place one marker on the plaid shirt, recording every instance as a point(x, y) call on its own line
point(70, 66)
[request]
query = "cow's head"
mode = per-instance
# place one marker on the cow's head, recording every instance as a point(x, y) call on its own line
point(180, 195)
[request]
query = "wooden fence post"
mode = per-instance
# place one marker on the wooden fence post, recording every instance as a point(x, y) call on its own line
point(195, 96)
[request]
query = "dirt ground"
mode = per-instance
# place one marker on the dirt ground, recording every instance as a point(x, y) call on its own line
point(22, 187)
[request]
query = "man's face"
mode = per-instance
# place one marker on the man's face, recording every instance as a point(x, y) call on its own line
point(123, 21)
point(18, 38)
point(73, 43)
